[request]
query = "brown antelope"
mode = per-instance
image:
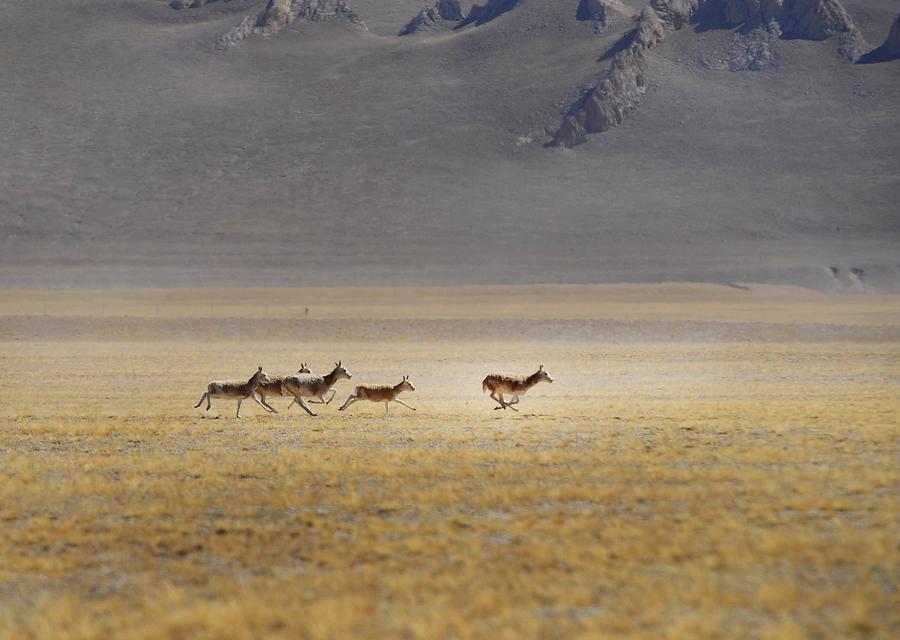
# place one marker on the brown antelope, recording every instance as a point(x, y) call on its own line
point(498, 384)
point(239, 391)
point(381, 393)
point(274, 386)
point(312, 386)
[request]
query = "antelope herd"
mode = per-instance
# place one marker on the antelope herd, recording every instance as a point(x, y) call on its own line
point(320, 389)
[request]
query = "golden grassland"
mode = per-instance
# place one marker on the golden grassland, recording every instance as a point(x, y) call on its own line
point(660, 488)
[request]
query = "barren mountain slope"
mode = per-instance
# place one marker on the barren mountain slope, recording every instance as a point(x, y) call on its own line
point(140, 152)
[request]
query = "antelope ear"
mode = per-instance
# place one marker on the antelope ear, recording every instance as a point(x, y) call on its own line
point(260, 369)
point(540, 367)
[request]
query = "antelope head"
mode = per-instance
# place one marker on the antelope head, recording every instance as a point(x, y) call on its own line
point(543, 375)
point(406, 385)
point(341, 372)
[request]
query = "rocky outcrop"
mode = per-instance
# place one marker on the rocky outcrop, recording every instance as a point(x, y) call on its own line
point(890, 50)
point(675, 14)
point(280, 13)
point(443, 12)
point(237, 34)
point(811, 19)
point(750, 51)
point(480, 14)
point(600, 12)
point(620, 90)
point(806, 19)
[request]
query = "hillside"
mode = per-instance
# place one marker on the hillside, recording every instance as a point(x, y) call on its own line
point(305, 142)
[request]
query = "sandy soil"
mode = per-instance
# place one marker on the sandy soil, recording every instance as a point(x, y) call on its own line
point(678, 483)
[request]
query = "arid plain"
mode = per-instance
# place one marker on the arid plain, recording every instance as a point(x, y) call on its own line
point(710, 462)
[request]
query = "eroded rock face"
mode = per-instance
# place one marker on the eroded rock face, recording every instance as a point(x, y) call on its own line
point(621, 90)
point(279, 13)
point(600, 12)
point(812, 19)
point(675, 14)
point(807, 19)
point(239, 33)
point(448, 11)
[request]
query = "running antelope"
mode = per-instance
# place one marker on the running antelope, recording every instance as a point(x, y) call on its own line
point(498, 384)
point(312, 386)
point(274, 386)
point(381, 393)
point(239, 391)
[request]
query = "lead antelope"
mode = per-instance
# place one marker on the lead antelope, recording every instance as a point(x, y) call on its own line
point(499, 383)
point(274, 387)
point(239, 391)
point(312, 386)
point(380, 393)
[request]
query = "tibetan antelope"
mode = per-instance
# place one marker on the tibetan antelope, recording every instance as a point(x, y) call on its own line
point(381, 393)
point(310, 385)
point(239, 391)
point(498, 384)
point(274, 386)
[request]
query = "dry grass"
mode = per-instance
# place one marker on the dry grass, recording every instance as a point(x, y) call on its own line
point(664, 489)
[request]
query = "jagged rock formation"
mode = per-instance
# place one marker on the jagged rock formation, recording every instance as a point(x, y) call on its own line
point(599, 12)
point(890, 50)
point(429, 17)
point(621, 88)
point(752, 50)
point(675, 13)
point(480, 14)
point(232, 37)
point(807, 19)
point(280, 13)
point(811, 19)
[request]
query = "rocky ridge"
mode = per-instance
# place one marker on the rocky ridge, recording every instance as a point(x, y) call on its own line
point(806, 19)
point(620, 89)
point(280, 13)
point(442, 12)
point(600, 12)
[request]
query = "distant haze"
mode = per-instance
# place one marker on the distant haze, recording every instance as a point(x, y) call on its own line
point(136, 152)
